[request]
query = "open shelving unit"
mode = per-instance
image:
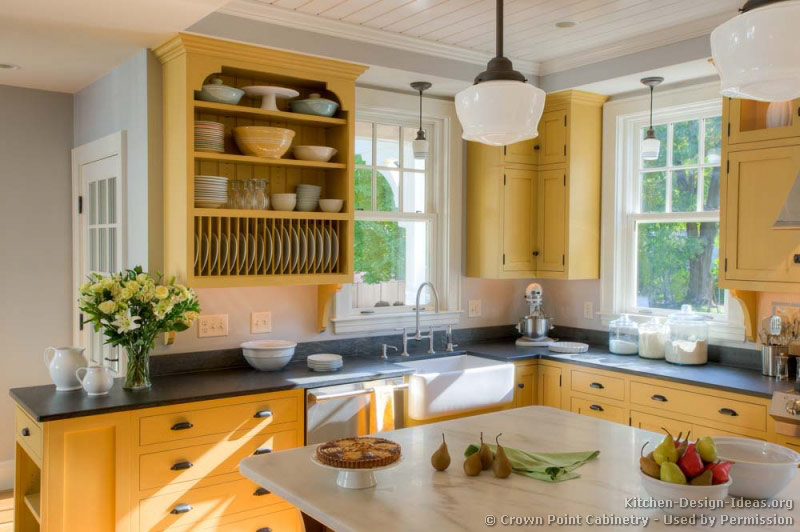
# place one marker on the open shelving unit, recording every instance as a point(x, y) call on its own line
point(190, 61)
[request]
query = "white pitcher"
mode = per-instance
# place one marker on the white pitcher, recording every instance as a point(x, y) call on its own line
point(62, 363)
point(96, 380)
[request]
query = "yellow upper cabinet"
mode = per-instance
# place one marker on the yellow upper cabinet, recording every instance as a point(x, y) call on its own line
point(533, 208)
point(752, 121)
point(221, 247)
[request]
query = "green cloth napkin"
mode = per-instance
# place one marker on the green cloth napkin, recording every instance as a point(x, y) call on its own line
point(550, 467)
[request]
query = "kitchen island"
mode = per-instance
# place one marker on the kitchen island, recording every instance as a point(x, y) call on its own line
point(413, 496)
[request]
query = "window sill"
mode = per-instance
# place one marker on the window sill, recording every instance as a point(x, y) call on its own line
point(722, 333)
point(390, 321)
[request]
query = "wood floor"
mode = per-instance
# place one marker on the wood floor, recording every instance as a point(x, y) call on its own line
point(6, 511)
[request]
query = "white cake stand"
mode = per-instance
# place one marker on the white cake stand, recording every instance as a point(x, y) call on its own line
point(269, 95)
point(356, 479)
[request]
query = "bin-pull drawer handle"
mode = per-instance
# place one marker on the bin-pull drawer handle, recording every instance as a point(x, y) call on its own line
point(180, 466)
point(183, 425)
point(521, 385)
point(728, 412)
point(263, 414)
point(263, 450)
point(26, 431)
point(181, 509)
point(261, 491)
point(659, 397)
point(265, 529)
point(597, 408)
point(596, 385)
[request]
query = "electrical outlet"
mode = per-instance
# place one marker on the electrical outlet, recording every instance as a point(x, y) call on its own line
point(474, 308)
point(212, 325)
point(260, 322)
point(588, 310)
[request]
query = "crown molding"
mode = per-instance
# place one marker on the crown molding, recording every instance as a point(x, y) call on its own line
point(254, 10)
point(640, 43)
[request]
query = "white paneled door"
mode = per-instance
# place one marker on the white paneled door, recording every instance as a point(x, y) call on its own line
point(98, 230)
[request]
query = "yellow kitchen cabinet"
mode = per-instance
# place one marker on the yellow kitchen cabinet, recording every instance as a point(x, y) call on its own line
point(525, 380)
point(598, 409)
point(756, 256)
point(788, 441)
point(557, 234)
point(655, 423)
point(525, 152)
point(548, 387)
point(747, 121)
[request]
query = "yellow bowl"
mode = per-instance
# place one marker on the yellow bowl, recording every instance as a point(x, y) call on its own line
point(263, 141)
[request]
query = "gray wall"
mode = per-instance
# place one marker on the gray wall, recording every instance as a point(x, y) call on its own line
point(129, 98)
point(36, 239)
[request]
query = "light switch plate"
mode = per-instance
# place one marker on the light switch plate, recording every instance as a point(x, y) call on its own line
point(212, 325)
point(475, 309)
point(260, 322)
point(588, 310)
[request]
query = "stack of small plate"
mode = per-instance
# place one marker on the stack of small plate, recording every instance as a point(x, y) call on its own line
point(210, 191)
point(209, 136)
point(324, 362)
point(308, 197)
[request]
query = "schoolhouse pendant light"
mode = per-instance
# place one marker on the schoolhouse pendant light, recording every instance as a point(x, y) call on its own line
point(420, 144)
point(501, 107)
point(757, 53)
point(651, 146)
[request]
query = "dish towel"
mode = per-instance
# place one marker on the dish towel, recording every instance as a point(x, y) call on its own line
point(550, 467)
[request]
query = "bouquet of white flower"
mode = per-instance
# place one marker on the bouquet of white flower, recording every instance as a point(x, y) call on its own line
point(132, 308)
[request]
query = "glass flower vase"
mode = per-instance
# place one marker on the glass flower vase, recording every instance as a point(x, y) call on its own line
point(137, 376)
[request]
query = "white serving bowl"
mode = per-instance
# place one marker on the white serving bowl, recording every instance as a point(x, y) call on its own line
point(268, 355)
point(314, 153)
point(283, 202)
point(761, 469)
point(666, 491)
point(331, 205)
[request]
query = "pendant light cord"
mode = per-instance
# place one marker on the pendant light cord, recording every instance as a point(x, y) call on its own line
point(420, 110)
point(499, 32)
point(651, 108)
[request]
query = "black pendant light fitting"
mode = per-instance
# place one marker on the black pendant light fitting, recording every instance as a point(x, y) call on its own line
point(420, 86)
point(755, 4)
point(499, 68)
point(651, 82)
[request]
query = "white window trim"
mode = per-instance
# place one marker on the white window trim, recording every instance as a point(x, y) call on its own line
point(446, 269)
point(622, 118)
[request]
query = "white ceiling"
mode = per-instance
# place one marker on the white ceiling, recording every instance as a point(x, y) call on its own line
point(464, 29)
point(63, 45)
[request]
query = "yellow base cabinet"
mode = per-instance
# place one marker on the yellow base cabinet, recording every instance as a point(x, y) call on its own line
point(533, 208)
point(525, 381)
point(165, 468)
point(548, 389)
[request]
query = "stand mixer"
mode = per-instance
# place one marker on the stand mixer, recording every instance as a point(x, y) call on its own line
point(536, 325)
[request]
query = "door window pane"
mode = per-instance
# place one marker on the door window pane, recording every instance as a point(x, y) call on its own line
point(363, 143)
point(678, 263)
point(414, 192)
point(387, 193)
point(388, 146)
point(684, 190)
point(92, 203)
point(363, 189)
point(409, 134)
point(713, 140)
point(711, 188)
point(102, 204)
point(685, 142)
point(112, 200)
point(661, 135)
point(654, 192)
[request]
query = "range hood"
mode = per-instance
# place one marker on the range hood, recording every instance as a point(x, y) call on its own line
point(789, 218)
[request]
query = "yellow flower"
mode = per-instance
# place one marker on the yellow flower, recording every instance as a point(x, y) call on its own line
point(107, 307)
point(133, 286)
point(141, 278)
point(162, 292)
point(96, 288)
point(85, 287)
point(108, 283)
point(125, 294)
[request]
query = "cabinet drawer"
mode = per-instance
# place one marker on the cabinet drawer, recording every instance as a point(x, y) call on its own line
point(29, 432)
point(599, 385)
point(199, 461)
point(599, 410)
point(193, 423)
point(206, 504)
point(728, 411)
point(288, 520)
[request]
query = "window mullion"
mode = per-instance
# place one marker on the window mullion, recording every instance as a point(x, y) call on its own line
point(668, 148)
point(374, 164)
point(701, 138)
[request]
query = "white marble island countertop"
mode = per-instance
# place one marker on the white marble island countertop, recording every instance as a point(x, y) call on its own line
point(414, 497)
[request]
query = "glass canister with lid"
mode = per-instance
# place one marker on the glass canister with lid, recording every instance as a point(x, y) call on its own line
point(623, 336)
point(652, 337)
point(687, 343)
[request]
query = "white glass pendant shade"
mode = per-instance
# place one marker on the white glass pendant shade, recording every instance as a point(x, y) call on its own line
point(421, 148)
point(651, 147)
point(757, 53)
point(500, 112)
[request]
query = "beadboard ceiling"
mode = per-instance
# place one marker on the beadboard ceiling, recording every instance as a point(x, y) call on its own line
point(464, 29)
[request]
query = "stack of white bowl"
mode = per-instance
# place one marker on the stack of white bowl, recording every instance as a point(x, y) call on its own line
point(308, 197)
point(325, 362)
point(210, 191)
point(268, 355)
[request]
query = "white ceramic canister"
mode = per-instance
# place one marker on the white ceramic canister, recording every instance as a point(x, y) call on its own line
point(96, 380)
point(62, 363)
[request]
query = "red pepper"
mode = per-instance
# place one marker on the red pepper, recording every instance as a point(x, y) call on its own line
point(690, 463)
point(719, 475)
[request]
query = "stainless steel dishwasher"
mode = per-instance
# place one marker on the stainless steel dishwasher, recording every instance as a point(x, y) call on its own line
point(334, 412)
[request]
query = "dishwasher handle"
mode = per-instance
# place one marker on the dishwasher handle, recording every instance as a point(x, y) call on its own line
point(314, 397)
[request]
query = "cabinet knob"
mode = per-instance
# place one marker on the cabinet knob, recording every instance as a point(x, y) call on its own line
point(535, 253)
point(658, 397)
point(728, 412)
point(261, 491)
point(596, 408)
point(264, 450)
point(263, 414)
point(181, 509)
point(596, 385)
point(180, 466)
point(521, 385)
point(26, 431)
point(183, 425)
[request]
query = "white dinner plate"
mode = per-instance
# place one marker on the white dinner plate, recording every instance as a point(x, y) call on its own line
point(203, 253)
point(311, 250)
point(233, 253)
point(320, 249)
point(277, 250)
point(196, 250)
point(251, 252)
point(267, 249)
point(303, 250)
point(327, 251)
point(213, 252)
point(223, 252)
point(335, 250)
point(295, 250)
point(242, 253)
point(259, 252)
point(287, 251)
